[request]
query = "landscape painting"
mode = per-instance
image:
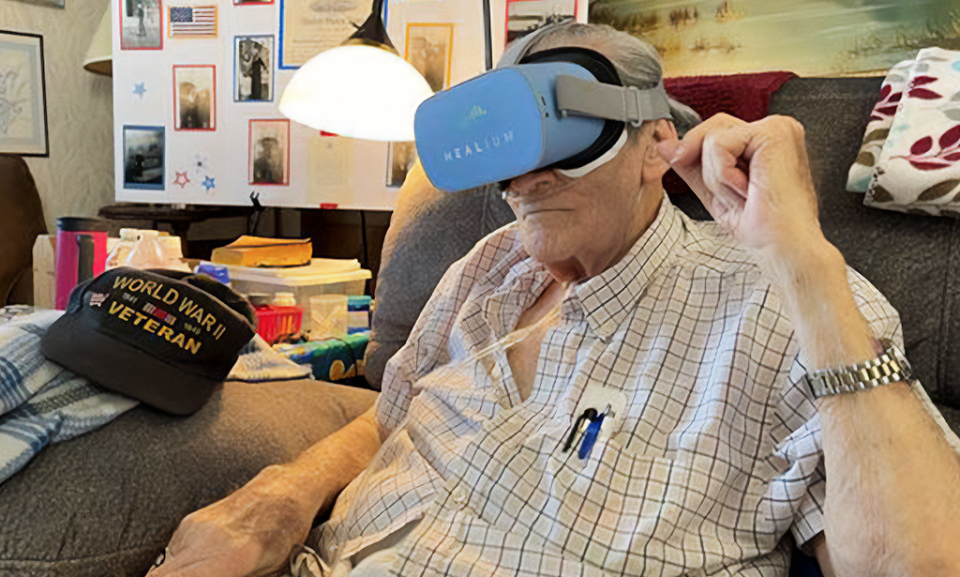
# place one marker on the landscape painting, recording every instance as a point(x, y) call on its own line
point(811, 38)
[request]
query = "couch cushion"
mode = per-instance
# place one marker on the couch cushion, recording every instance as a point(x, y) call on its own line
point(911, 259)
point(107, 502)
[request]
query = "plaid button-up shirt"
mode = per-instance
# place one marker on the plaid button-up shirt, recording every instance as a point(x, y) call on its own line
point(714, 457)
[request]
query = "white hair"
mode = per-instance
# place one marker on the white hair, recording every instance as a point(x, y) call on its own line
point(637, 62)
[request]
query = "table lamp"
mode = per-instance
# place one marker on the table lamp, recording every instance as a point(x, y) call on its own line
point(362, 88)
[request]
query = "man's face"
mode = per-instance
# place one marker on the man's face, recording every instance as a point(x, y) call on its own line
point(591, 221)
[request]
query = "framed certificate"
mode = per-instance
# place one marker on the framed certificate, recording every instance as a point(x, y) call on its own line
point(309, 28)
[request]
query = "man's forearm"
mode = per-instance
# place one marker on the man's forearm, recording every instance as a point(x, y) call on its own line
point(893, 483)
point(323, 470)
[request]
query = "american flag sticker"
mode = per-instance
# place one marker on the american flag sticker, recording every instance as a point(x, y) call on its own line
point(193, 21)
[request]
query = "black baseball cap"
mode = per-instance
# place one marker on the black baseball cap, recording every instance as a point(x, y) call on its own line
point(152, 336)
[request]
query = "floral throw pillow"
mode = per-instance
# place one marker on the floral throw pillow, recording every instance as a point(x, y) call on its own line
point(919, 166)
point(881, 118)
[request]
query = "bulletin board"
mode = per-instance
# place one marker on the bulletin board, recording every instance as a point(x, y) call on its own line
point(197, 85)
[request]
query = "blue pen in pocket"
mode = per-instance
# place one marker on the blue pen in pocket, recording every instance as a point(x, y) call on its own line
point(591, 434)
point(590, 438)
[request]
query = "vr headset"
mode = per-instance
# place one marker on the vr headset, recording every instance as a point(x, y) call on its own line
point(564, 108)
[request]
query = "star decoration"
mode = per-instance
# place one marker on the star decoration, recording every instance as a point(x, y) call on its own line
point(209, 183)
point(181, 179)
point(139, 89)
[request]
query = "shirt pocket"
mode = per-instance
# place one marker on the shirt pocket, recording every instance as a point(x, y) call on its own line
point(616, 510)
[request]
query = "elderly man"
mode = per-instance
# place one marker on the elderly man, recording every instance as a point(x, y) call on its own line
point(606, 387)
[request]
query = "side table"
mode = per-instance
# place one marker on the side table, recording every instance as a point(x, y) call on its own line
point(178, 218)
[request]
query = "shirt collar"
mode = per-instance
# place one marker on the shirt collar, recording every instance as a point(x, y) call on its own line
point(609, 297)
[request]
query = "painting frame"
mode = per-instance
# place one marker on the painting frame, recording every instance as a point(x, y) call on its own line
point(178, 109)
point(61, 4)
point(25, 50)
point(698, 37)
point(271, 85)
point(438, 30)
point(254, 158)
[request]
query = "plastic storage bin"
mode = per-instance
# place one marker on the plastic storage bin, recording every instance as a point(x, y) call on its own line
point(275, 321)
point(322, 276)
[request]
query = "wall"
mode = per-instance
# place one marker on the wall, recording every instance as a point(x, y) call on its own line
point(77, 178)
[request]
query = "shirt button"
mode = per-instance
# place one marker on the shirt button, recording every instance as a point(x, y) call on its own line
point(459, 496)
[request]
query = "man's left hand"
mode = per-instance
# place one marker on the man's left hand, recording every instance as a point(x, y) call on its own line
point(754, 178)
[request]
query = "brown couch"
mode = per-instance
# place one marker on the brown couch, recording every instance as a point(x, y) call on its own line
point(21, 220)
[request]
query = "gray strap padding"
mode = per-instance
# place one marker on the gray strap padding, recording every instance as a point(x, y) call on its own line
point(627, 104)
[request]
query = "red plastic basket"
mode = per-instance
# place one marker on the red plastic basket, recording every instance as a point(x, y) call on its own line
point(276, 322)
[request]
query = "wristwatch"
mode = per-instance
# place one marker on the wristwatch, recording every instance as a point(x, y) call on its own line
point(890, 367)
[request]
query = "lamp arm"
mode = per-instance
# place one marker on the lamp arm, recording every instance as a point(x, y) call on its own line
point(373, 28)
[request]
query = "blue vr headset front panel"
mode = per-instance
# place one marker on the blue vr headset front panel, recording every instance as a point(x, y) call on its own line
point(500, 125)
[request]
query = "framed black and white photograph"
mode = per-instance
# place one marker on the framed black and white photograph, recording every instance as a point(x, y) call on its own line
point(143, 155)
point(525, 16)
point(49, 3)
point(195, 97)
point(400, 159)
point(253, 68)
point(141, 25)
point(270, 152)
point(429, 49)
point(23, 106)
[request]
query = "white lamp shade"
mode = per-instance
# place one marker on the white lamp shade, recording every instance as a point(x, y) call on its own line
point(357, 90)
point(99, 58)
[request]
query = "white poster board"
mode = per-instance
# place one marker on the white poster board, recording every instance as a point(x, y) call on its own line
point(197, 84)
point(216, 136)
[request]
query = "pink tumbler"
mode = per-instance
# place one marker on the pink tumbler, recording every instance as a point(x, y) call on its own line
point(81, 253)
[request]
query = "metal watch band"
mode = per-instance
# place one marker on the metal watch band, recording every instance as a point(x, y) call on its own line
point(890, 367)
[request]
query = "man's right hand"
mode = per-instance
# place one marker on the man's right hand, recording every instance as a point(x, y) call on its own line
point(249, 533)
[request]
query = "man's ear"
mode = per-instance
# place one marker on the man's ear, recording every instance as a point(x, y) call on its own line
point(664, 129)
point(655, 166)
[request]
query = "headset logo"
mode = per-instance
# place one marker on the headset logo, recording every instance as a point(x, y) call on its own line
point(476, 112)
point(488, 142)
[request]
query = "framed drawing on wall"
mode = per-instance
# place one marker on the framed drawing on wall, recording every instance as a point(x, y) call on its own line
point(23, 106)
